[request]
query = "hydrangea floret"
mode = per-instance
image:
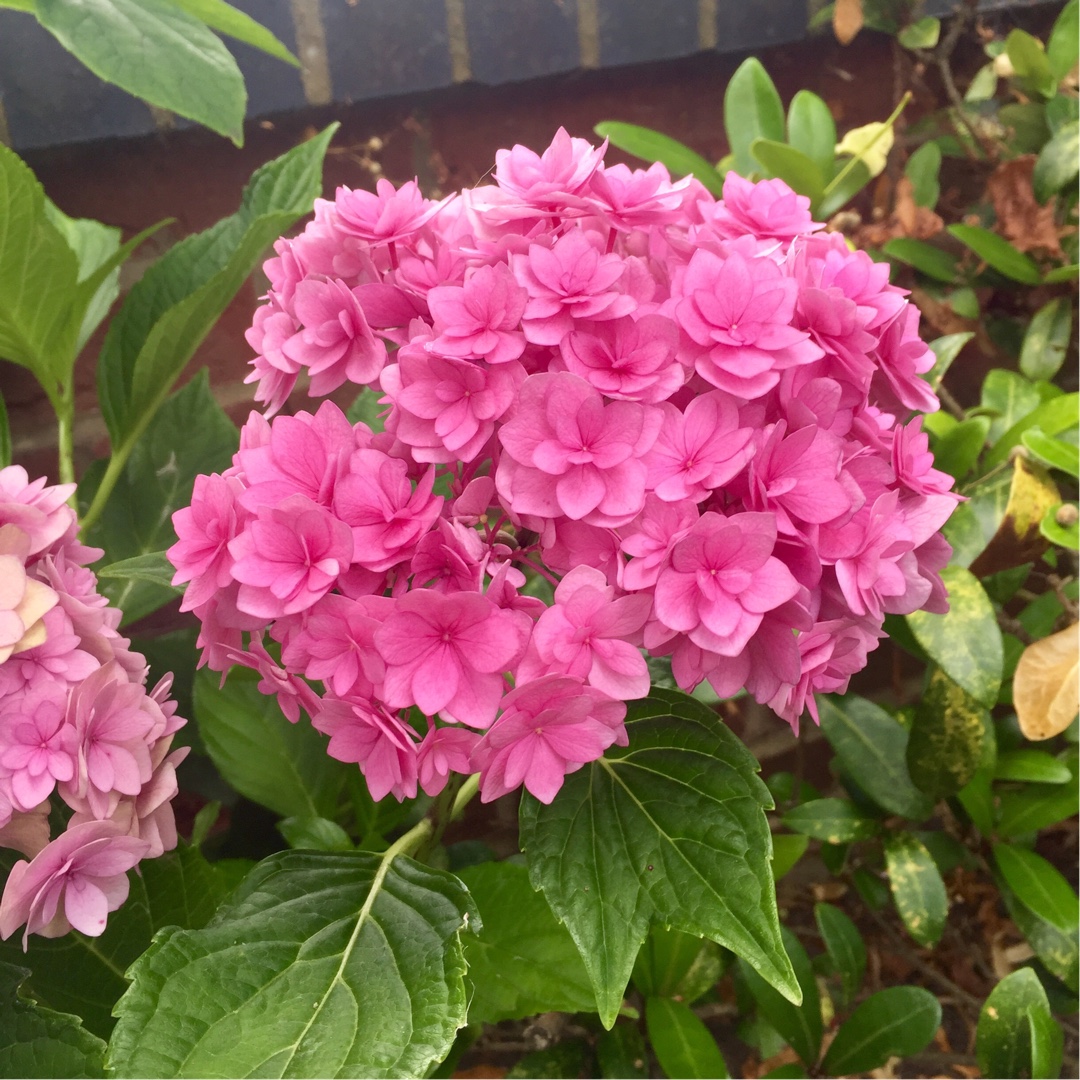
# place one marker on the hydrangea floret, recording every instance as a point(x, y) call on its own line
point(82, 739)
point(621, 418)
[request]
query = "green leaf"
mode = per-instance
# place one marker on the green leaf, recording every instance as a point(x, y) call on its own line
point(965, 642)
point(1057, 163)
point(998, 253)
point(314, 834)
point(1066, 536)
point(844, 944)
point(927, 259)
point(787, 851)
point(522, 962)
point(621, 1054)
point(921, 34)
point(1029, 61)
point(1062, 49)
point(752, 110)
point(37, 1042)
point(1034, 766)
point(1047, 339)
point(135, 527)
point(84, 975)
point(872, 747)
point(946, 349)
point(1061, 110)
point(651, 145)
point(671, 828)
point(156, 51)
point(683, 1045)
point(1051, 417)
point(949, 737)
point(1008, 397)
point(676, 965)
point(978, 800)
point(1054, 452)
point(798, 1025)
point(811, 129)
point(1003, 1038)
point(958, 451)
point(983, 85)
point(922, 170)
point(850, 179)
point(227, 20)
point(1047, 1042)
point(5, 436)
point(1024, 812)
point(835, 821)
point(1058, 950)
point(917, 887)
point(176, 302)
point(38, 279)
point(321, 964)
point(366, 408)
point(1039, 885)
point(282, 766)
point(1062, 273)
point(563, 1061)
point(799, 172)
point(891, 1023)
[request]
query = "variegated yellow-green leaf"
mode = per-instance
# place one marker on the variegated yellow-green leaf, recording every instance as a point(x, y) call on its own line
point(917, 887)
point(870, 143)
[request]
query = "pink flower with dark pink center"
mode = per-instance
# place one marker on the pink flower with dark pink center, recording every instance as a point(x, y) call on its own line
point(387, 215)
point(480, 320)
point(293, 694)
point(635, 199)
point(443, 751)
point(37, 747)
point(546, 181)
point(548, 728)
point(768, 209)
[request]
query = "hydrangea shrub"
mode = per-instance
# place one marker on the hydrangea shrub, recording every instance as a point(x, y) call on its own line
point(621, 418)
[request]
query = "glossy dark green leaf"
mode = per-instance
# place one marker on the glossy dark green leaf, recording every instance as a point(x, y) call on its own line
point(965, 642)
point(1062, 46)
point(1003, 1041)
point(153, 568)
point(671, 828)
point(283, 766)
point(752, 110)
point(157, 481)
point(949, 737)
point(227, 20)
point(927, 259)
point(946, 349)
point(621, 1053)
point(37, 1042)
point(1059, 950)
point(798, 1025)
point(977, 798)
point(314, 834)
point(651, 145)
point(922, 170)
point(917, 888)
point(565, 1060)
point(1047, 1042)
point(1029, 61)
point(85, 976)
point(1036, 766)
point(682, 1043)
point(1032, 809)
point(1039, 885)
point(522, 962)
point(958, 451)
point(676, 965)
point(844, 944)
point(1007, 397)
point(891, 1023)
point(812, 130)
point(1057, 163)
point(155, 51)
point(1056, 453)
point(787, 851)
point(800, 173)
point(835, 821)
point(872, 747)
point(921, 34)
point(173, 306)
point(320, 964)
point(998, 253)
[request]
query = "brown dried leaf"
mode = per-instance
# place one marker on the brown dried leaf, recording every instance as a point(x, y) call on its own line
point(1046, 688)
point(908, 219)
point(847, 20)
point(1026, 225)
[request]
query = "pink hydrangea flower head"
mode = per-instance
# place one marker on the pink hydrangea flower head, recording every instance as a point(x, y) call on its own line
point(481, 319)
point(39, 510)
point(545, 181)
point(388, 215)
point(549, 727)
point(443, 751)
point(768, 209)
point(37, 746)
point(634, 199)
point(24, 602)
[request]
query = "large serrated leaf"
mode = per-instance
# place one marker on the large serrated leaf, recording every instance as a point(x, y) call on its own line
point(157, 481)
point(522, 962)
point(320, 964)
point(156, 51)
point(283, 766)
point(671, 828)
point(176, 302)
point(37, 1042)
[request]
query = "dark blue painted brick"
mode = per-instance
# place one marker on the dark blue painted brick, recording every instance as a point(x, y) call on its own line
point(635, 33)
point(378, 48)
point(511, 40)
point(273, 86)
point(753, 24)
point(50, 98)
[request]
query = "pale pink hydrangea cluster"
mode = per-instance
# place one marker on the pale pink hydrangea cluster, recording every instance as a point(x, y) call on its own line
point(690, 415)
point(76, 722)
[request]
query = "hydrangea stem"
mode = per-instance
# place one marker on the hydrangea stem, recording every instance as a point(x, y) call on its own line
point(64, 405)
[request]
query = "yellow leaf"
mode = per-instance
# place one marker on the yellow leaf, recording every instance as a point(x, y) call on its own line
point(1046, 689)
point(871, 143)
point(847, 20)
